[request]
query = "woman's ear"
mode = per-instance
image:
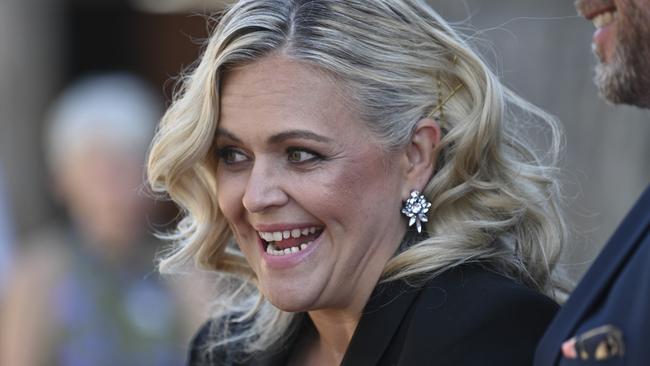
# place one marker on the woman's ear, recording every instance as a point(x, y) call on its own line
point(420, 155)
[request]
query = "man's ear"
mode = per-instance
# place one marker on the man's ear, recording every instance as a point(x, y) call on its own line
point(420, 156)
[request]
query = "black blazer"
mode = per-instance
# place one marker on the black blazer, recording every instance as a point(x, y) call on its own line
point(465, 316)
point(610, 307)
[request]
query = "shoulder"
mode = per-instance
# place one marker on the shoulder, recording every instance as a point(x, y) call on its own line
point(207, 350)
point(199, 353)
point(612, 292)
point(616, 283)
point(470, 315)
point(204, 347)
point(478, 288)
point(472, 295)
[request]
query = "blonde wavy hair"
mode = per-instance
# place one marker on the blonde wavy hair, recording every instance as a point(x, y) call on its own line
point(494, 198)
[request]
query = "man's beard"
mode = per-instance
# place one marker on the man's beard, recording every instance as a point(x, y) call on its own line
point(626, 80)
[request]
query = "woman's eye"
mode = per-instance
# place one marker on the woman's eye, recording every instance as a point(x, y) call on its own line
point(232, 156)
point(301, 156)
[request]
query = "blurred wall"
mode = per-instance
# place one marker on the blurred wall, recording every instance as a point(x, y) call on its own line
point(30, 68)
point(542, 52)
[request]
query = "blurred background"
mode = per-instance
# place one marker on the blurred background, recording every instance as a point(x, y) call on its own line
point(75, 291)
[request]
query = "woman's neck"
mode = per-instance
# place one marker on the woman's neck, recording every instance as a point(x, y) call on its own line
point(335, 326)
point(334, 331)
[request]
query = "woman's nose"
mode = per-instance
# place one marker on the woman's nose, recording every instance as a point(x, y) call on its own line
point(264, 189)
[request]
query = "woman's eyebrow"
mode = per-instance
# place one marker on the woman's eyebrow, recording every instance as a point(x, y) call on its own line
point(278, 137)
point(297, 134)
point(227, 134)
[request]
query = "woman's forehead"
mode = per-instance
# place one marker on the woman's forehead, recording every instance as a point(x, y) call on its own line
point(280, 90)
point(275, 76)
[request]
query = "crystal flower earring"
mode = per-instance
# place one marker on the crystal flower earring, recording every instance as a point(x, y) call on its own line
point(416, 208)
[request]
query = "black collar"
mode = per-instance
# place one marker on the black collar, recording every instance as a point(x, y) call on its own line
point(379, 321)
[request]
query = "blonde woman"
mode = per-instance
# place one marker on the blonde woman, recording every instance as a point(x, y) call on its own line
point(354, 175)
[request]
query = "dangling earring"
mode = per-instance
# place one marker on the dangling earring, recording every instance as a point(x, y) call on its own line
point(416, 208)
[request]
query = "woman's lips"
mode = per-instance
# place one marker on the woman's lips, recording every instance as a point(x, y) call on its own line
point(289, 236)
point(284, 244)
point(288, 257)
point(294, 242)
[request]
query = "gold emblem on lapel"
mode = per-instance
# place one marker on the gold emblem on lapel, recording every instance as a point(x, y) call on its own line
point(600, 344)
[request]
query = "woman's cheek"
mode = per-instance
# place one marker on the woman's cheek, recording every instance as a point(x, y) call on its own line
point(230, 190)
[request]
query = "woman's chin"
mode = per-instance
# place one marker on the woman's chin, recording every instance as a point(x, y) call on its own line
point(291, 305)
point(291, 299)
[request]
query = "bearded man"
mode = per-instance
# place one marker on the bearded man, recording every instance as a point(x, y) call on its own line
point(606, 321)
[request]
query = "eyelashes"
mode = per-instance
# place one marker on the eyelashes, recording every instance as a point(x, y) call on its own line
point(301, 155)
point(298, 156)
point(231, 155)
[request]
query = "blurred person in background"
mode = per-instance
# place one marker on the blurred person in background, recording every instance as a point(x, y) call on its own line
point(606, 321)
point(84, 293)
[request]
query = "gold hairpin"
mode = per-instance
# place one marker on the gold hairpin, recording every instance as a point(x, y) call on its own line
point(441, 102)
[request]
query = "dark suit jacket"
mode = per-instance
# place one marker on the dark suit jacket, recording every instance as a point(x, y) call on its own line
point(465, 316)
point(614, 293)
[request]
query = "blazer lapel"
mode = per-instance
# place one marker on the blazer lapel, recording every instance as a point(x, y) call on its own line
point(596, 282)
point(379, 321)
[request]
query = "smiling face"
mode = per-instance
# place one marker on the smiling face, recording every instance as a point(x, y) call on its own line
point(313, 201)
point(621, 44)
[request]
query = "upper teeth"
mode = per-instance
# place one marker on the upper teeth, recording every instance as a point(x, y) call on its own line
point(601, 20)
point(286, 234)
